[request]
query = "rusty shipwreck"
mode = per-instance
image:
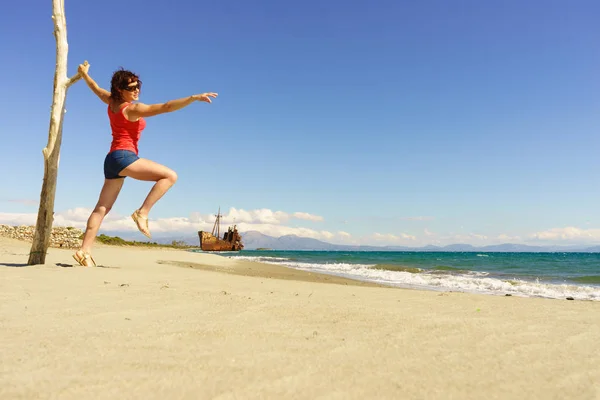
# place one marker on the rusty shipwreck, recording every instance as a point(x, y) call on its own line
point(231, 241)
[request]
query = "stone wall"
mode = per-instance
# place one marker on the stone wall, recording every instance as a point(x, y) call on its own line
point(62, 237)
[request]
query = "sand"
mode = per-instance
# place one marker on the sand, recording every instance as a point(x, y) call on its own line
point(147, 326)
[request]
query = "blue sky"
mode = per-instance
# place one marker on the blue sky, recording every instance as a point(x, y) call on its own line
point(378, 122)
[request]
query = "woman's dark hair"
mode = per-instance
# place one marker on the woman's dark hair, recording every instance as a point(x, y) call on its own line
point(120, 79)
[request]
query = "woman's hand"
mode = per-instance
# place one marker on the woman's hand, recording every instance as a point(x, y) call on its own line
point(83, 69)
point(204, 97)
point(102, 94)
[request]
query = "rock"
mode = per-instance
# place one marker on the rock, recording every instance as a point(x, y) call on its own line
point(61, 237)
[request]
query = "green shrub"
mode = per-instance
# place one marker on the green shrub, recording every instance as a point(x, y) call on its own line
point(117, 241)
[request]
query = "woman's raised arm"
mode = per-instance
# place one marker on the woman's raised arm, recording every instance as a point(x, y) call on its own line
point(138, 110)
point(103, 94)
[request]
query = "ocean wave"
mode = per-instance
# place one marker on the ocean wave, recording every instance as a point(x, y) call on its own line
point(393, 267)
point(453, 279)
point(442, 269)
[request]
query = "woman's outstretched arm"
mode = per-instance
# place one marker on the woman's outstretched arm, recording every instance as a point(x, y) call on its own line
point(138, 110)
point(103, 94)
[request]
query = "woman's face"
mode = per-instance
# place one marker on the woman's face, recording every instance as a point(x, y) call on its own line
point(132, 92)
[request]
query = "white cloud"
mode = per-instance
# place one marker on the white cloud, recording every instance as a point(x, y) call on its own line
point(262, 220)
point(262, 216)
point(327, 235)
point(387, 236)
point(568, 233)
point(17, 219)
point(273, 223)
point(507, 238)
point(307, 216)
point(78, 215)
point(282, 230)
point(391, 238)
point(77, 218)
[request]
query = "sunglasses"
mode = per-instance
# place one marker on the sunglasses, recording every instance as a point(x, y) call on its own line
point(132, 88)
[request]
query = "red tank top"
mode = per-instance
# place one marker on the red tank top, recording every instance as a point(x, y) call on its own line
point(126, 134)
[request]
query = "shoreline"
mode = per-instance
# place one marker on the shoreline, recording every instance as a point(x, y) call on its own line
point(269, 271)
point(448, 279)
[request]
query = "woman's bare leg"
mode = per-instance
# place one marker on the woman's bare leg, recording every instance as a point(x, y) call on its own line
point(108, 196)
point(147, 170)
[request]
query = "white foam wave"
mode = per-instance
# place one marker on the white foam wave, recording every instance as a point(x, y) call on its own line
point(477, 273)
point(473, 281)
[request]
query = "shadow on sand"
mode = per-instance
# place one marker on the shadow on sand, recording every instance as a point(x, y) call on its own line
point(14, 265)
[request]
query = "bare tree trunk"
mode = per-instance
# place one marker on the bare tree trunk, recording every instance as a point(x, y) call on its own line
point(43, 229)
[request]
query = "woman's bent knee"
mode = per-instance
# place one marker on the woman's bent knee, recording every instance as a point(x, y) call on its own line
point(172, 177)
point(102, 210)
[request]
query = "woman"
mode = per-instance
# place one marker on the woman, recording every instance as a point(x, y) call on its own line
point(127, 123)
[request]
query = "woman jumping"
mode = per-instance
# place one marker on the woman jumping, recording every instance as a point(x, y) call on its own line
point(127, 122)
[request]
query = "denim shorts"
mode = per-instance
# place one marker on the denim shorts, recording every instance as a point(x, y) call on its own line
point(116, 161)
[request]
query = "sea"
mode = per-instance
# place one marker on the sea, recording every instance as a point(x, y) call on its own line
point(549, 275)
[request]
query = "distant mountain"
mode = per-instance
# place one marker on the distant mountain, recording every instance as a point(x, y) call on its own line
point(509, 247)
point(431, 247)
point(459, 247)
point(253, 240)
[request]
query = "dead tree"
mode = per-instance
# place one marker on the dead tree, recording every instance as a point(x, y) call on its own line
point(45, 217)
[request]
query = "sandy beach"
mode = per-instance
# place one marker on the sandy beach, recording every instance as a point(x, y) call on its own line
point(161, 323)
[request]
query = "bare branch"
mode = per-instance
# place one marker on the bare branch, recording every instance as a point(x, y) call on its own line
point(73, 79)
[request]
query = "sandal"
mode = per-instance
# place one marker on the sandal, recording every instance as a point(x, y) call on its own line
point(144, 229)
point(81, 259)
